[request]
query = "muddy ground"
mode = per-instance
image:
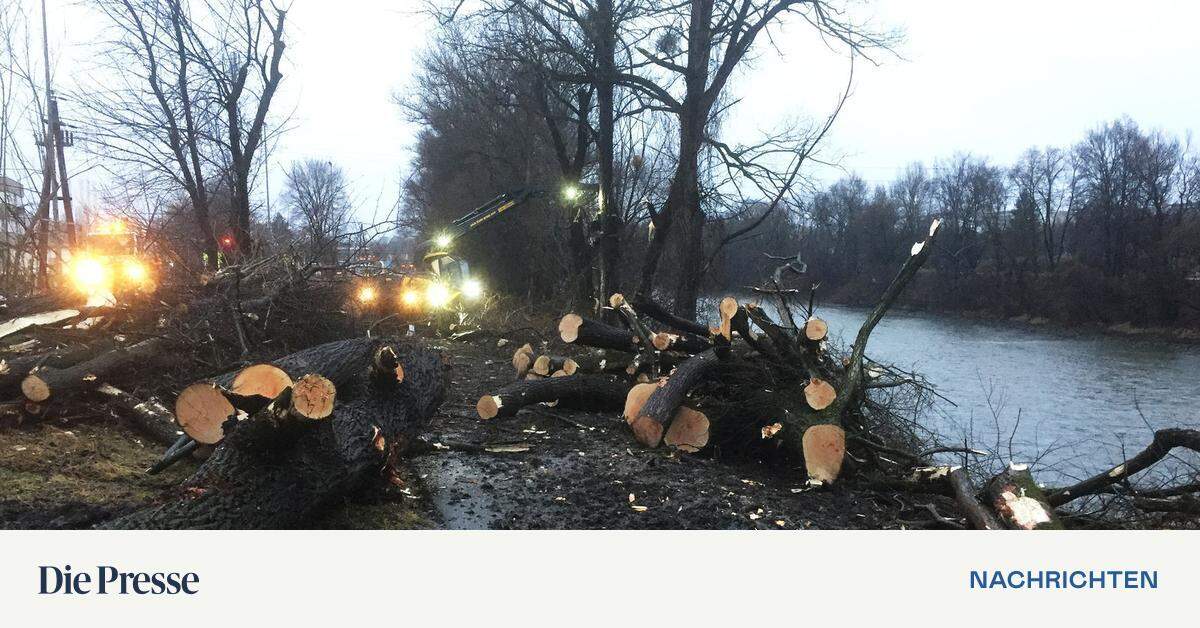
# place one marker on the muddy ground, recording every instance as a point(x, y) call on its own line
point(547, 468)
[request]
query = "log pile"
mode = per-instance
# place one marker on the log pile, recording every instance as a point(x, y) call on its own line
point(758, 382)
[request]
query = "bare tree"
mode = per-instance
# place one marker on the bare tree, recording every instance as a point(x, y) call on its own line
point(185, 98)
point(317, 195)
point(718, 35)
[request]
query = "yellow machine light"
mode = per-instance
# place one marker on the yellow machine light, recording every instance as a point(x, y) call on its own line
point(89, 274)
point(443, 240)
point(135, 271)
point(472, 289)
point(367, 294)
point(410, 297)
point(571, 192)
point(438, 295)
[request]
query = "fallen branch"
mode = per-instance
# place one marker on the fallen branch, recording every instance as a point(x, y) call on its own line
point(1164, 441)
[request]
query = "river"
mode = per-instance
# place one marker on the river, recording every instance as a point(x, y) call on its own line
point(1078, 394)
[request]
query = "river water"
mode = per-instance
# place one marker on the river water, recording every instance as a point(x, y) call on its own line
point(1078, 395)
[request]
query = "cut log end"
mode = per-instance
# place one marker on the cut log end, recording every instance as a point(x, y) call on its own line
point(647, 430)
point(688, 431)
point(662, 341)
point(541, 365)
point(568, 327)
point(488, 407)
point(201, 409)
point(570, 367)
point(636, 399)
point(616, 300)
point(824, 450)
point(819, 394)
point(313, 397)
point(35, 388)
point(521, 362)
point(816, 329)
point(264, 380)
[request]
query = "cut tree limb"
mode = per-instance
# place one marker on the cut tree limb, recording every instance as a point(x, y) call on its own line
point(1164, 441)
point(575, 329)
point(151, 417)
point(660, 314)
point(588, 391)
point(964, 493)
point(651, 420)
point(43, 384)
point(14, 370)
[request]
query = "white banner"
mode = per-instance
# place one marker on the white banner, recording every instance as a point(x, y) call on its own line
point(339, 578)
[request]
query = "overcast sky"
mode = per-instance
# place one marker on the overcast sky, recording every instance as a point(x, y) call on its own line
point(991, 78)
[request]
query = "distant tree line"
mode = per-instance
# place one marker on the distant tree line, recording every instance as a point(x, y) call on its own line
point(1106, 230)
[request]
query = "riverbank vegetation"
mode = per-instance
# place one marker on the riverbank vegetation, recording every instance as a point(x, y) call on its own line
point(1105, 231)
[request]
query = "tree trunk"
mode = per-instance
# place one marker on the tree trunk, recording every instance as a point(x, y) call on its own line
point(267, 475)
point(610, 223)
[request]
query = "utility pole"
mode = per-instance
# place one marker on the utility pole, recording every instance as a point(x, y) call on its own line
point(62, 139)
point(48, 164)
point(54, 140)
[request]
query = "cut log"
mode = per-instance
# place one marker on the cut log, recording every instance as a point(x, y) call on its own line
point(544, 365)
point(151, 417)
point(575, 329)
point(645, 336)
point(728, 308)
point(1020, 502)
point(313, 397)
point(264, 380)
point(687, 343)
point(522, 361)
point(824, 450)
point(660, 314)
point(14, 370)
point(267, 476)
point(816, 329)
point(636, 399)
point(688, 431)
point(593, 392)
point(43, 384)
point(651, 420)
point(819, 394)
point(201, 409)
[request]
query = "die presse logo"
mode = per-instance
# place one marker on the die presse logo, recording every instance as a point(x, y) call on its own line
point(109, 580)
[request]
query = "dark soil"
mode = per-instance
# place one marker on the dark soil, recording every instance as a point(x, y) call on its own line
point(585, 470)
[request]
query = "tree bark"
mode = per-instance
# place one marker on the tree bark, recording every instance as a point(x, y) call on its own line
point(652, 418)
point(269, 476)
point(1164, 441)
point(594, 392)
point(46, 383)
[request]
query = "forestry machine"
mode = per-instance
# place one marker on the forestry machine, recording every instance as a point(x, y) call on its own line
point(106, 261)
point(447, 284)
